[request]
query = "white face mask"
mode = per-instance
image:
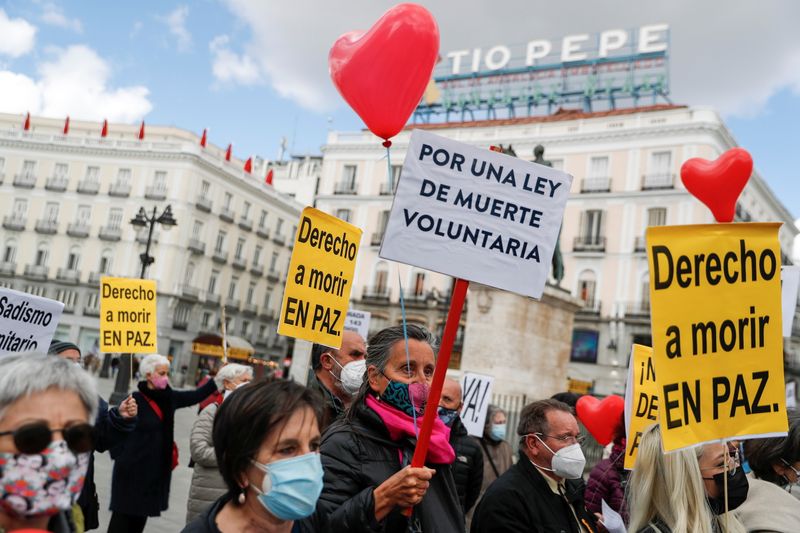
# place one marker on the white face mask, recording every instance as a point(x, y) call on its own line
point(567, 462)
point(352, 375)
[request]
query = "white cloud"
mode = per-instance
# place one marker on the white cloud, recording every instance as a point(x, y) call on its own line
point(53, 14)
point(733, 59)
point(17, 36)
point(229, 67)
point(176, 22)
point(75, 83)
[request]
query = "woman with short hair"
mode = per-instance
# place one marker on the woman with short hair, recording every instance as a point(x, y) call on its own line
point(775, 462)
point(366, 456)
point(683, 491)
point(266, 441)
point(143, 464)
point(47, 405)
point(207, 483)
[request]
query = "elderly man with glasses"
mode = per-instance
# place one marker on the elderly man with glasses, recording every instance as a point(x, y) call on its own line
point(544, 490)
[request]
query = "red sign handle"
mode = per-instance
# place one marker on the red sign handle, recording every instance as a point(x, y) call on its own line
point(442, 362)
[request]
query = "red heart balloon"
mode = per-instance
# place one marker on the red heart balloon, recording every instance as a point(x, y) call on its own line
point(601, 417)
point(383, 73)
point(719, 183)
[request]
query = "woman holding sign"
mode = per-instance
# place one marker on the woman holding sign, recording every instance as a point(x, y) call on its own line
point(685, 490)
point(366, 456)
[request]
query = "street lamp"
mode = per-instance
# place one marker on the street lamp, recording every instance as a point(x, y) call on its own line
point(141, 220)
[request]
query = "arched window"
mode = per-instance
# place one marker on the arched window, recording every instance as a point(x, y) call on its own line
point(106, 262)
point(42, 254)
point(10, 251)
point(587, 287)
point(74, 258)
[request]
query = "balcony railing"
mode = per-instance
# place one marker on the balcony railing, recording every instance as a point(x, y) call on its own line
point(212, 298)
point(250, 309)
point(56, 183)
point(246, 224)
point(78, 229)
point(589, 243)
point(46, 226)
point(414, 296)
point(590, 306)
point(26, 181)
point(203, 204)
point(377, 293)
point(120, 190)
point(267, 313)
point(596, 185)
point(92, 309)
point(88, 187)
point(279, 238)
point(8, 268)
point(220, 256)
point(155, 193)
point(263, 232)
point(387, 189)
point(376, 239)
point(14, 222)
point(641, 308)
point(273, 275)
point(181, 323)
point(143, 235)
point(640, 244)
point(232, 304)
point(345, 187)
point(197, 247)
point(239, 263)
point(256, 270)
point(38, 272)
point(110, 233)
point(68, 275)
point(658, 181)
point(226, 214)
point(94, 277)
point(192, 293)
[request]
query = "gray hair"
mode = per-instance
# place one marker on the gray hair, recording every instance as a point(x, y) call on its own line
point(230, 372)
point(533, 418)
point(28, 373)
point(149, 363)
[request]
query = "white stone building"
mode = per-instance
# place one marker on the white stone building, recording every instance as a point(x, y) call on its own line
point(67, 201)
point(626, 166)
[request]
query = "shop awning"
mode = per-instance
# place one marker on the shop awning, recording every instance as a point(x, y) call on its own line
point(211, 344)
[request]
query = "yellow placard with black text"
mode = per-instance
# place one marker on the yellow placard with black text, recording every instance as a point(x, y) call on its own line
point(641, 400)
point(320, 277)
point(715, 298)
point(128, 315)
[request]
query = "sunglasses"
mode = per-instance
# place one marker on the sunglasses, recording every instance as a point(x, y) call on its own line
point(36, 437)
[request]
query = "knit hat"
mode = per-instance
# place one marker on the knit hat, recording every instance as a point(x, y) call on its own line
point(57, 347)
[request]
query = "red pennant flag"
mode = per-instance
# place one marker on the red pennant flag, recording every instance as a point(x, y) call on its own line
point(27, 125)
point(104, 131)
point(66, 126)
point(248, 165)
point(268, 179)
point(228, 153)
point(203, 138)
point(141, 131)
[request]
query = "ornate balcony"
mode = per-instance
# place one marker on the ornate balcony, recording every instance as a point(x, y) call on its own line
point(197, 247)
point(46, 227)
point(36, 272)
point(192, 293)
point(250, 309)
point(596, 185)
point(88, 187)
point(14, 222)
point(120, 190)
point(263, 232)
point(256, 270)
point(8, 269)
point(279, 238)
point(376, 239)
point(110, 233)
point(25, 181)
point(239, 263)
point(226, 214)
point(56, 184)
point(387, 189)
point(589, 243)
point(68, 275)
point(273, 275)
point(78, 229)
point(203, 204)
point(379, 292)
point(220, 257)
point(246, 224)
point(345, 187)
point(155, 193)
point(658, 181)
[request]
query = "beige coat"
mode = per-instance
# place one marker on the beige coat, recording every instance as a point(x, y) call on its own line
point(207, 483)
point(769, 508)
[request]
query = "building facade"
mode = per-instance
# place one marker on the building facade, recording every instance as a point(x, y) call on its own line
point(67, 202)
point(625, 165)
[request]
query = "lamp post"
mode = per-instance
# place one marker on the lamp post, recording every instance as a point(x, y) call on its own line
point(141, 220)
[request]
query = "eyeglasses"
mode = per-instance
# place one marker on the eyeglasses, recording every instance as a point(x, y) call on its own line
point(572, 439)
point(734, 456)
point(37, 436)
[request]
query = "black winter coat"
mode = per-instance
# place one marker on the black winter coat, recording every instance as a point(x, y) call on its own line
point(468, 467)
point(143, 463)
point(207, 522)
point(357, 456)
point(110, 430)
point(520, 501)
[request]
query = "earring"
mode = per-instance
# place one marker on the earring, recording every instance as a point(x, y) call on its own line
point(241, 497)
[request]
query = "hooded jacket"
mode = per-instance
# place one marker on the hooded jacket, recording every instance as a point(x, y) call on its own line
point(607, 482)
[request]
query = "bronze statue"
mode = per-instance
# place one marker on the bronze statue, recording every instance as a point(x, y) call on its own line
point(558, 260)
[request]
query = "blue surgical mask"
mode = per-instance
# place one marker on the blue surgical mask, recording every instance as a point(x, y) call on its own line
point(498, 432)
point(291, 487)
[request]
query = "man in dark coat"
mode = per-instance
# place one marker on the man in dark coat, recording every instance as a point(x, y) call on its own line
point(468, 467)
point(543, 492)
point(111, 427)
point(143, 463)
point(328, 364)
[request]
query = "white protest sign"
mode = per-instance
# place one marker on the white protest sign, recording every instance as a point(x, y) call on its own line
point(27, 322)
point(475, 214)
point(791, 395)
point(790, 283)
point(357, 321)
point(477, 394)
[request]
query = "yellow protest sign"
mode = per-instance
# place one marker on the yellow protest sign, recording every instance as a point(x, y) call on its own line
point(715, 298)
point(641, 400)
point(320, 277)
point(127, 315)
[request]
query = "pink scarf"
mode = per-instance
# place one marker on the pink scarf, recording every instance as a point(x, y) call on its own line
point(401, 425)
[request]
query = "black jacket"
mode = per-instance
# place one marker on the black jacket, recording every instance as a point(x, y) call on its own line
point(520, 501)
point(142, 463)
point(357, 456)
point(468, 467)
point(110, 430)
point(207, 522)
point(333, 408)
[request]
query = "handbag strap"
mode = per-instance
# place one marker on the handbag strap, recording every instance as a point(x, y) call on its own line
point(155, 408)
point(489, 456)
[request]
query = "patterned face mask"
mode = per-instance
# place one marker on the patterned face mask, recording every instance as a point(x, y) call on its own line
point(410, 398)
point(43, 483)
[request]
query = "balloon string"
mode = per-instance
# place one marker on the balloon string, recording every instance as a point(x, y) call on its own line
point(408, 357)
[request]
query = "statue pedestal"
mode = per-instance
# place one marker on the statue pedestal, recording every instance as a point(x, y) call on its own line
point(524, 343)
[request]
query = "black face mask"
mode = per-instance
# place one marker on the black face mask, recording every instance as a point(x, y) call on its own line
point(738, 488)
